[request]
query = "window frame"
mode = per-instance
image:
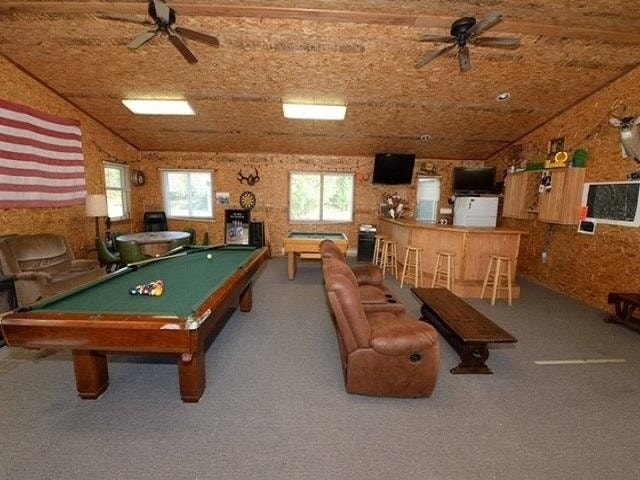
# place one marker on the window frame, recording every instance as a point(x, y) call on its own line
point(322, 175)
point(125, 189)
point(164, 172)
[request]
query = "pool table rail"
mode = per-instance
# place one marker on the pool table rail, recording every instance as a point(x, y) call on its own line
point(91, 336)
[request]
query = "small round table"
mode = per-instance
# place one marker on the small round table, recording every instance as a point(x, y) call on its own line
point(154, 243)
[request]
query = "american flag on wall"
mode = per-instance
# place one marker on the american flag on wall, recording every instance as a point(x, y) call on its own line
point(41, 161)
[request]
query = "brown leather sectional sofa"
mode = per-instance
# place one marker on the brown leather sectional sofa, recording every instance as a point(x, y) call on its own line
point(385, 352)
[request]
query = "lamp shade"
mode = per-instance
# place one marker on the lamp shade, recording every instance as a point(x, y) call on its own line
point(96, 205)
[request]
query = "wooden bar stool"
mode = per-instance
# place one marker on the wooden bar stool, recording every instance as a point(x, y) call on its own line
point(377, 250)
point(443, 272)
point(389, 257)
point(412, 268)
point(499, 269)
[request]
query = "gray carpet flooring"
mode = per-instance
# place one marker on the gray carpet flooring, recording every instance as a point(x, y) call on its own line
point(275, 405)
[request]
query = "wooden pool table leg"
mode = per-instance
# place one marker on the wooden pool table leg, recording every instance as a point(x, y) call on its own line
point(92, 373)
point(291, 265)
point(192, 376)
point(246, 299)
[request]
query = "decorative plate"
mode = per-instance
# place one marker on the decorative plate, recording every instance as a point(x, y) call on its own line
point(247, 200)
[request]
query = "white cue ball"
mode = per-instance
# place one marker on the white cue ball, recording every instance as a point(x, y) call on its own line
point(209, 256)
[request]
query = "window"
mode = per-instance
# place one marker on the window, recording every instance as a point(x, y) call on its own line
point(321, 197)
point(188, 193)
point(117, 188)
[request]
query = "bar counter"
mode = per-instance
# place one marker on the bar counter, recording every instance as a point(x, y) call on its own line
point(472, 247)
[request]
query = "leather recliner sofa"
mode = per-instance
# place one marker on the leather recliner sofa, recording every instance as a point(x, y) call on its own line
point(43, 265)
point(384, 352)
point(365, 274)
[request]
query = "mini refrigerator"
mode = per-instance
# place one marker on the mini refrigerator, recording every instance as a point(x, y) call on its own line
point(475, 211)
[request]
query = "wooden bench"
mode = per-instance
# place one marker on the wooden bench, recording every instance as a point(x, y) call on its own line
point(625, 305)
point(467, 330)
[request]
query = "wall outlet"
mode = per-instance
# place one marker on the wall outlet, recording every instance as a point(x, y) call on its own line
point(544, 257)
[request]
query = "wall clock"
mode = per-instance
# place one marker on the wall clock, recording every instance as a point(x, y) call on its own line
point(137, 178)
point(247, 200)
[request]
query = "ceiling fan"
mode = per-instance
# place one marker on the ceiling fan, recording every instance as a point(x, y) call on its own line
point(465, 31)
point(164, 18)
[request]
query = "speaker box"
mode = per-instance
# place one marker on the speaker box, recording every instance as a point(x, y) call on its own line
point(256, 234)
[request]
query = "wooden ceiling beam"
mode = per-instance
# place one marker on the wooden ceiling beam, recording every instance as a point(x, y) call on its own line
point(319, 15)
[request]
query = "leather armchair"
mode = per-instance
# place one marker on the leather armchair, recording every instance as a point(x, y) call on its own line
point(383, 353)
point(44, 265)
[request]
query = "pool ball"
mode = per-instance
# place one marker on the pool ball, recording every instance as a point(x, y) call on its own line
point(209, 256)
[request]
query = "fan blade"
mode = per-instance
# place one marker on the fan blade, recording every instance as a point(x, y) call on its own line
point(198, 36)
point(463, 59)
point(163, 12)
point(182, 48)
point(438, 38)
point(496, 42)
point(142, 39)
point(122, 18)
point(485, 24)
point(433, 55)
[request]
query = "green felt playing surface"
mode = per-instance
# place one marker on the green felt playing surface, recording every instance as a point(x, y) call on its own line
point(188, 281)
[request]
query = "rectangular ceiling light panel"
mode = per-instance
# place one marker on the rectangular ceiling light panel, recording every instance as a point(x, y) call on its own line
point(158, 107)
point(314, 112)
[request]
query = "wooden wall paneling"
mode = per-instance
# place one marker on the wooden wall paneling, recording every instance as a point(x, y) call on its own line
point(98, 144)
point(586, 267)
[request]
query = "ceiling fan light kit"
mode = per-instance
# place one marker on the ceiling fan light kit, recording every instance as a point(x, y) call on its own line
point(464, 32)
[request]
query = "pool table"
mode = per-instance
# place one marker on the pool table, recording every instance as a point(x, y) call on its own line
point(307, 245)
point(200, 293)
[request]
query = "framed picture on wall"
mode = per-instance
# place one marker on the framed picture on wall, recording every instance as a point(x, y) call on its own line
point(222, 197)
point(556, 145)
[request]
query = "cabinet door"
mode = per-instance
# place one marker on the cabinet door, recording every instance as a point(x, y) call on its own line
point(561, 204)
point(550, 204)
point(517, 201)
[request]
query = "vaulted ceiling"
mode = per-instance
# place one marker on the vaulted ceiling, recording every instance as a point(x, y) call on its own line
point(360, 53)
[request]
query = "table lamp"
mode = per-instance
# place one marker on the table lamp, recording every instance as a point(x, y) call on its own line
point(96, 206)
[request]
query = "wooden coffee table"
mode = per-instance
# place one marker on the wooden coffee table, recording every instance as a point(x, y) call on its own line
point(468, 331)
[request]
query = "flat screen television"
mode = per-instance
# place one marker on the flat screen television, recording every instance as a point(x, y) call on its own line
point(616, 203)
point(473, 180)
point(393, 168)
